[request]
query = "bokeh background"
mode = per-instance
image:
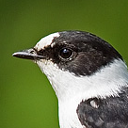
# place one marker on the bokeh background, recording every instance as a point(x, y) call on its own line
point(26, 97)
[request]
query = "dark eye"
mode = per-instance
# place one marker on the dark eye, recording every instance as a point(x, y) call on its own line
point(65, 53)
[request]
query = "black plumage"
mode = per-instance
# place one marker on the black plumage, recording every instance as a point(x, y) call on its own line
point(90, 53)
point(111, 112)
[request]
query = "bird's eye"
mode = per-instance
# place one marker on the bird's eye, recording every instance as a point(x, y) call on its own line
point(65, 53)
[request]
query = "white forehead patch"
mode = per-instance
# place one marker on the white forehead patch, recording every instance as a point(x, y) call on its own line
point(44, 42)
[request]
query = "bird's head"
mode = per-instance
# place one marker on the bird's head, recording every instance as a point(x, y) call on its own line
point(79, 64)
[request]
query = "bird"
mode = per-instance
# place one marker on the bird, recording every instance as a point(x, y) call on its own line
point(88, 75)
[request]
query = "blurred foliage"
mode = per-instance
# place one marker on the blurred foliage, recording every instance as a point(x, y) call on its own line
point(26, 97)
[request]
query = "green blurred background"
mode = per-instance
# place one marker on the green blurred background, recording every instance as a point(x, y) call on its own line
point(26, 97)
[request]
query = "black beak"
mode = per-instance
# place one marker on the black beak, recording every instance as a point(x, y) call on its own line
point(28, 54)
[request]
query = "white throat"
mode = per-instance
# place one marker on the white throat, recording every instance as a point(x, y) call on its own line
point(105, 82)
point(71, 89)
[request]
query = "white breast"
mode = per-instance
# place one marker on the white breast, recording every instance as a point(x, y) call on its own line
point(67, 115)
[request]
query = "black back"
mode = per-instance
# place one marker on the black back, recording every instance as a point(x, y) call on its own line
point(111, 112)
